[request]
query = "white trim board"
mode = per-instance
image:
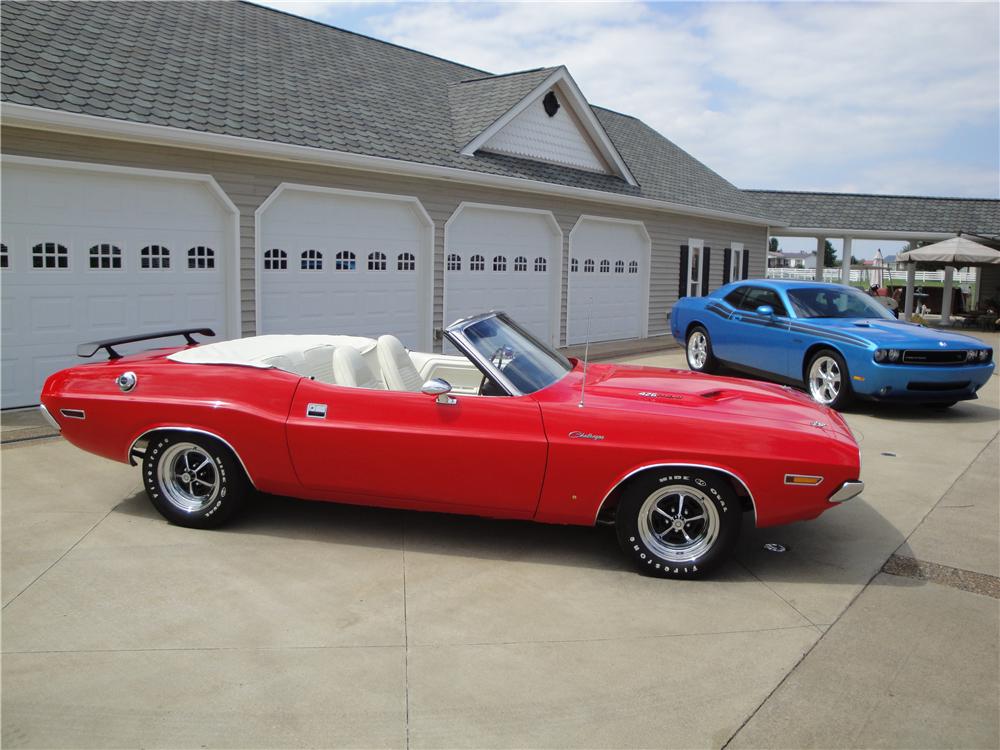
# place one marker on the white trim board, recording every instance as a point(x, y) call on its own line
point(20, 115)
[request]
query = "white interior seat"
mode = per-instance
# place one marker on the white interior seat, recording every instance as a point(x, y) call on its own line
point(397, 367)
point(351, 370)
point(280, 361)
point(317, 363)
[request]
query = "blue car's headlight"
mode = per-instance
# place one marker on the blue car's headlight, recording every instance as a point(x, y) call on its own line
point(887, 355)
point(985, 355)
point(971, 355)
point(880, 355)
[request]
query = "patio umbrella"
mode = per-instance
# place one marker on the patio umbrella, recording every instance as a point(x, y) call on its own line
point(958, 252)
point(879, 263)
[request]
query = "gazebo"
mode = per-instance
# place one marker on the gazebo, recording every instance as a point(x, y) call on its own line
point(958, 252)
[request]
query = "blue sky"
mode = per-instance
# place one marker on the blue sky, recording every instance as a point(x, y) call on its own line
point(900, 98)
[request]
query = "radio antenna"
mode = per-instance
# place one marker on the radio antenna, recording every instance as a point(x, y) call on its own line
point(586, 352)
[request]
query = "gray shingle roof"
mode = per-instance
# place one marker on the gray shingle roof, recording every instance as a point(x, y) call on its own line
point(239, 69)
point(479, 102)
point(882, 212)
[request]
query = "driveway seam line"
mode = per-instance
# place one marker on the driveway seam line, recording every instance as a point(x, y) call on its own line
point(406, 637)
point(854, 598)
point(761, 582)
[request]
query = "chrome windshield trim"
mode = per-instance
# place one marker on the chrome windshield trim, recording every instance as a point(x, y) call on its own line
point(847, 490)
point(459, 339)
point(131, 449)
point(49, 418)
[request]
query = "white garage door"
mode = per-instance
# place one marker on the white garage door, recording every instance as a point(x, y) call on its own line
point(91, 252)
point(608, 280)
point(499, 258)
point(344, 262)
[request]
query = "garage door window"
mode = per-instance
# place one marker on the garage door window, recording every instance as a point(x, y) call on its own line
point(201, 258)
point(477, 263)
point(619, 266)
point(275, 260)
point(154, 257)
point(605, 266)
point(574, 265)
point(4, 259)
point(520, 263)
point(345, 260)
point(376, 262)
point(105, 257)
point(454, 262)
point(588, 266)
point(49, 255)
point(406, 262)
point(312, 260)
point(500, 263)
point(633, 267)
point(540, 265)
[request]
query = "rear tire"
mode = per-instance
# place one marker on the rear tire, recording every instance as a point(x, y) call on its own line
point(828, 380)
point(678, 523)
point(699, 351)
point(193, 480)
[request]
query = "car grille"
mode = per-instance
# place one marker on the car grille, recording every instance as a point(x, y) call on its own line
point(933, 357)
point(953, 385)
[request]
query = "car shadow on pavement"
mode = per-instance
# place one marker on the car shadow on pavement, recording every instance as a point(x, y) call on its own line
point(963, 412)
point(828, 549)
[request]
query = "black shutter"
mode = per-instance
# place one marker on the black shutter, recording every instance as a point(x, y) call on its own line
point(706, 256)
point(683, 275)
point(746, 263)
point(727, 259)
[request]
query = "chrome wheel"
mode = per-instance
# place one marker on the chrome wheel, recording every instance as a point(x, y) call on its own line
point(697, 350)
point(188, 477)
point(678, 523)
point(825, 380)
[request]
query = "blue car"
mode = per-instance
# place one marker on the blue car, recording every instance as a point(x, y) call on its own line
point(835, 340)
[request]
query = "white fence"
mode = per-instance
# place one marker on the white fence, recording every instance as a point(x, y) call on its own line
point(867, 274)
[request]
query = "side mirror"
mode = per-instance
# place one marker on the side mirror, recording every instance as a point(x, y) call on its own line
point(440, 388)
point(766, 310)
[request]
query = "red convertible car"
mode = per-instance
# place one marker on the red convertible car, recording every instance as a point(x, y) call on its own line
point(507, 428)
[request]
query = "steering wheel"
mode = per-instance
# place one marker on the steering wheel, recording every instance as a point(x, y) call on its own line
point(487, 387)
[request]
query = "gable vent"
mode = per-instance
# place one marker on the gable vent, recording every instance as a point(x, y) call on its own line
point(551, 104)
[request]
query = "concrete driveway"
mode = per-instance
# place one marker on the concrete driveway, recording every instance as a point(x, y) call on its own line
point(315, 625)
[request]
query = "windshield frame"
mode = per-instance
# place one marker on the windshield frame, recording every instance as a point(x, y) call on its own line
point(455, 333)
point(883, 311)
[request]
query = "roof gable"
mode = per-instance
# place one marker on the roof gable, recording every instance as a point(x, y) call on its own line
point(570, 136)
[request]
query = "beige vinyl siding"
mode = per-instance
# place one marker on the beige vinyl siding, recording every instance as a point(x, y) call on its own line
point(249, 181)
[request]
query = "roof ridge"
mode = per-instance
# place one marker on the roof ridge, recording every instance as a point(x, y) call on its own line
point(493, 77)
point(871, 195)
point(314, 22)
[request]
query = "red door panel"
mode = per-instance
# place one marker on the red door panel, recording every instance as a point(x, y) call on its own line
point(479, 454)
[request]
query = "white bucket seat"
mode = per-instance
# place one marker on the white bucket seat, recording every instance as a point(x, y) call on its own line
point(351, 370)
point(397, 367)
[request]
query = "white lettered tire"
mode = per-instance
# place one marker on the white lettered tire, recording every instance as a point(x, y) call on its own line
point(193, 480)
point(678, 522)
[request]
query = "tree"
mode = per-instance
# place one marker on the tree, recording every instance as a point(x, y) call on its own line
point(772, 245)
point(829, 255)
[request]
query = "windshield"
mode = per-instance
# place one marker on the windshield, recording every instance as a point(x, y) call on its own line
point(528, 364)
point(824, 302)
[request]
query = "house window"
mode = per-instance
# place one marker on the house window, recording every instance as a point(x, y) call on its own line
point(500, 263)
point(588, 266)
point(605, 266)
point(520, 263)
point(105, 256)
point(736, 262)
point(312, 260)
point(694, 270)
point(345, 260)
point(619, 266)
point(154, 256)
point(477, 263)
point(540, 265)
point(201, 257)
point(275, 260)
point(633, 266)
point(574, 265)
point(49, 255)
point(4, 259)
point(454, 262)
point(406, 262)
point(376, 262)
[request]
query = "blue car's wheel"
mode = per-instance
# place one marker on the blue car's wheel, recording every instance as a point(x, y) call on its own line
point(828, 380)
point(699, 351)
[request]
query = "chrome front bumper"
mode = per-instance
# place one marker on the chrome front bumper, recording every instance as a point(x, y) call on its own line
point(846, 491)
point(48, 417)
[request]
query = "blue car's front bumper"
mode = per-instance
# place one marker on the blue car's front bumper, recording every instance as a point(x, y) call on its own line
point(885, 382)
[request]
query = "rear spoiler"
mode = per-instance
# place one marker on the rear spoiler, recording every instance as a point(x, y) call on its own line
point(91, 348)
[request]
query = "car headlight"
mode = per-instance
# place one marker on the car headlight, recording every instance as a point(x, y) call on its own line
point(971, 356)
point(985, 355)
point(893, 355)
point(880, 355)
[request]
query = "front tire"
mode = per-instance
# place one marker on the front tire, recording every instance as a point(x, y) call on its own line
point(828, 380)
point(678, 523)
point(193, 480)
point(699, 351)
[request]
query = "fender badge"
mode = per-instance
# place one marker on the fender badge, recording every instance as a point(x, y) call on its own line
point(577, 435)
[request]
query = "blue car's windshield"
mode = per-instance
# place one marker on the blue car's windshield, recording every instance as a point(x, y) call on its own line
point(824, 302)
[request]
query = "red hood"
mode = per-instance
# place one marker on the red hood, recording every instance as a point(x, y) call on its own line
point(628, 386)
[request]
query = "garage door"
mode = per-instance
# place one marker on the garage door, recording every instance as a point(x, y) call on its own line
point(608, 280)
point(93, 253)
point(499, 258)
point(344, 262)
